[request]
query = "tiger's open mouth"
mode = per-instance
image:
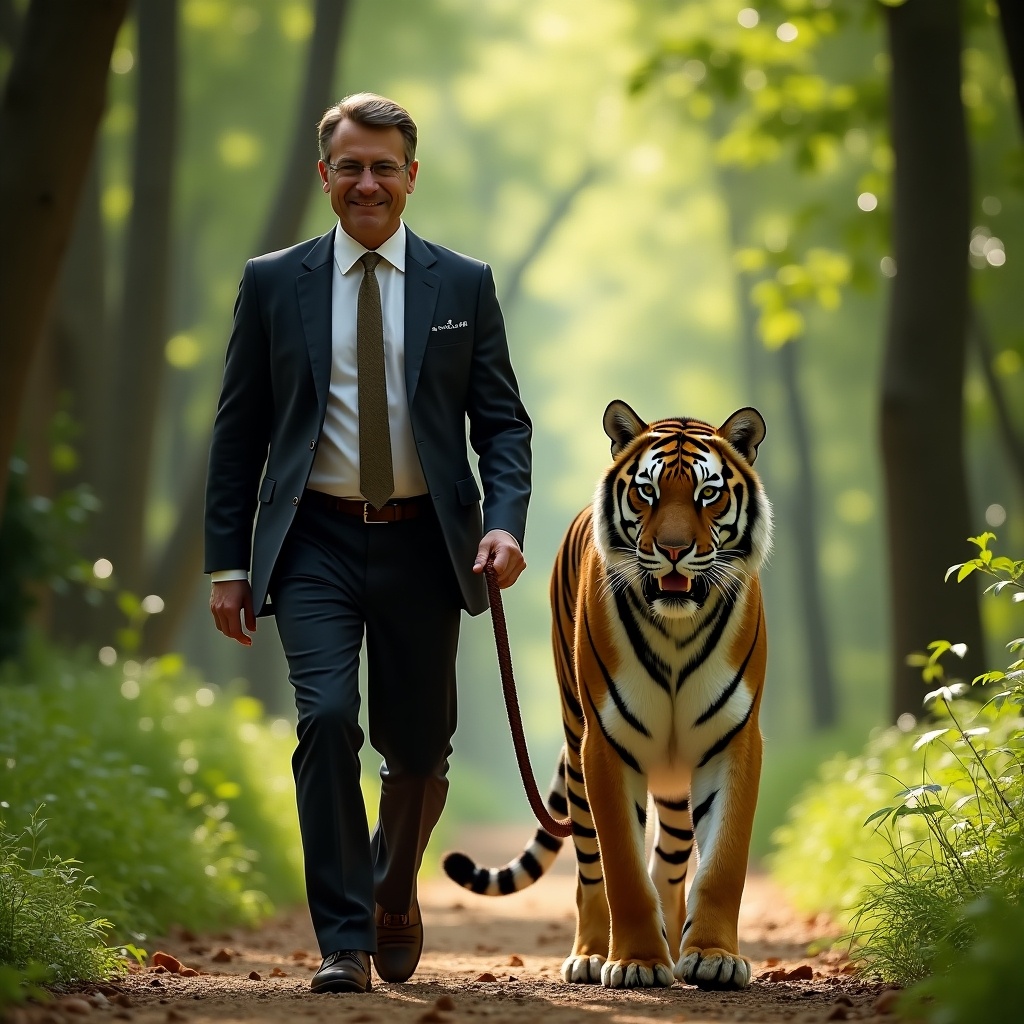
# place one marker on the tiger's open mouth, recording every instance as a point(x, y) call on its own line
point(675, 582)
point(676, 588)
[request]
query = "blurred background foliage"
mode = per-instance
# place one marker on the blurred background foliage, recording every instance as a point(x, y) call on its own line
point(687, 205)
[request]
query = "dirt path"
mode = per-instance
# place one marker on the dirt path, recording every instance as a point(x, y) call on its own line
point(518, 940)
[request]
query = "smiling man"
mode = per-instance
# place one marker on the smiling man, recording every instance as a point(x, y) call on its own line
point(353, 365)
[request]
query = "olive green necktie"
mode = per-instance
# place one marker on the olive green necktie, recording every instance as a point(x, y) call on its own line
point(376, 473)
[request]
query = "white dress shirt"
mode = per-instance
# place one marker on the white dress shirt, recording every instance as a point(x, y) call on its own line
point(336, 463)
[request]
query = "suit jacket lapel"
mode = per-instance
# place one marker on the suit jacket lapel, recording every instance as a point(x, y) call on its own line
point(421, 290)
point(314, 294)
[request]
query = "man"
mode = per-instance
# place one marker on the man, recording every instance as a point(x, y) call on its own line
point(354, 362)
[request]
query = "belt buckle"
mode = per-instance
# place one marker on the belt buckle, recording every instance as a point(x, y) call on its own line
point(372, 522)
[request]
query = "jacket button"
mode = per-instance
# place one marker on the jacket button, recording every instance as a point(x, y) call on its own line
point(295, 501)
point(312, 444)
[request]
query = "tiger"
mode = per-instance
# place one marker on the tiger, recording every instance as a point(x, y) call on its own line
point(660, 650)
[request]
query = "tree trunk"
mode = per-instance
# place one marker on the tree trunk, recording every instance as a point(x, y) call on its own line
point(173, 572)
point(798, 508)
point(299, 177)
point(134, 389)
point(40, 187)
point(928, 514)
point(1013, 443)
point(10, 24)
point(1011, 15)
point(802, 513)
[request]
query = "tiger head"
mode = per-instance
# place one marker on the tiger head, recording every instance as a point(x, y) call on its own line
point(680, 514)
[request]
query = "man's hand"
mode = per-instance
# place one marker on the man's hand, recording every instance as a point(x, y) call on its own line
point(228, 601)
point(508, 559)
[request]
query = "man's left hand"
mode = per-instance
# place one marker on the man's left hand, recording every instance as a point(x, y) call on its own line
point(508, 558)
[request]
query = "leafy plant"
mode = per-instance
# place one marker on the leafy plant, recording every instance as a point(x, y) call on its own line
point(47, 933)
point(38, 548)
point(176, 796)
point(946, 851)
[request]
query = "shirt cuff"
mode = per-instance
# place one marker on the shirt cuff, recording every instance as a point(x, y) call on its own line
point(224, 575)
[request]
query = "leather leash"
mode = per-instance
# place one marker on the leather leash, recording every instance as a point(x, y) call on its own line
point(561, 827)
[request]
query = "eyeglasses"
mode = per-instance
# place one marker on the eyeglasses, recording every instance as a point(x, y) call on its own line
point(379, 169)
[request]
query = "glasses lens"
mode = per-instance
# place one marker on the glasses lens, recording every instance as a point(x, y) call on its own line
point(381, 169)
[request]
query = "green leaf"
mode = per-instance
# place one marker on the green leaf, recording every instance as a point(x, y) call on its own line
point(129, 605)
point(924, 809)
point(965, 570)
point(878, 814)
point(928, 737)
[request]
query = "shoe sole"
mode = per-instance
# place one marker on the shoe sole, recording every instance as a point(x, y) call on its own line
point(341, 986)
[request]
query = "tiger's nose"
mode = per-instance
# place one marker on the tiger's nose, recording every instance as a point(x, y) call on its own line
point(672, 553)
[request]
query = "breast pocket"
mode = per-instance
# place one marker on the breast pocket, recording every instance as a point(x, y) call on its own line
point(461, 339)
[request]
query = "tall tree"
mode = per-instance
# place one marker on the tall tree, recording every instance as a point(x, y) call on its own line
point(922, 386)
point(136, 373)
point(42, 172)
point(173, 570)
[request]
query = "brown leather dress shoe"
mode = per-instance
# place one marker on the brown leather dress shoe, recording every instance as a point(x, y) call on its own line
point(347, 970)
point(399, 943)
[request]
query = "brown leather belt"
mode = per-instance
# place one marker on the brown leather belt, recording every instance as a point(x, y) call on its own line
point(391, 512)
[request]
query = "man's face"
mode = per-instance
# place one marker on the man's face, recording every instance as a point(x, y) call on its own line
point(369, 205)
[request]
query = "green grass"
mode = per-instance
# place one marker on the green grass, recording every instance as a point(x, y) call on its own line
point(174, 795)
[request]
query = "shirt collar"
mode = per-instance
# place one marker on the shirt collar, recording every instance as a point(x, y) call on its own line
point(347, 250)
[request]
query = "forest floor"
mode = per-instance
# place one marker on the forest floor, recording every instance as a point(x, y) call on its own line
point(493, 959)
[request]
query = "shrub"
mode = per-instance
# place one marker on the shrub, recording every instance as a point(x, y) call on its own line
point(176, 797)
point(946, 903)
point(46, 933)
point(38, 548)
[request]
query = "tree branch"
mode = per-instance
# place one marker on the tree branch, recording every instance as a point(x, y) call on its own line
point(514, 279)
point(173, 573)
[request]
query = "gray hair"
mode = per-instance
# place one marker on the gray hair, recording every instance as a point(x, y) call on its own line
point(372, 110)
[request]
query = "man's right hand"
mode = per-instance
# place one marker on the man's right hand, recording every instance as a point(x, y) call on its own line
point(229, 601)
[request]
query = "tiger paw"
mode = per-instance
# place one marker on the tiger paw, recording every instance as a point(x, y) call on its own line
point(582, 970)
point(635, 974)
point(713, 969)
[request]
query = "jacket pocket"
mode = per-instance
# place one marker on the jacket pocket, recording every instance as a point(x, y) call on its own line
point(267, 490)
point(468, 490)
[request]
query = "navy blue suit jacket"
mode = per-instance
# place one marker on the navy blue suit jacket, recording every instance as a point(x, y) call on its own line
point(274, 397)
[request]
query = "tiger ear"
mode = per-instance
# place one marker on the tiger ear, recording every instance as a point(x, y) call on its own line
point(621, 424)
point(744, 430)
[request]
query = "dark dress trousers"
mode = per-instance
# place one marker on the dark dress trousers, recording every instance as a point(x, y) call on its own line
point(328, 576)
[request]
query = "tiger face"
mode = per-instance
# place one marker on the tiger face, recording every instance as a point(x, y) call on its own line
point(680, 513)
